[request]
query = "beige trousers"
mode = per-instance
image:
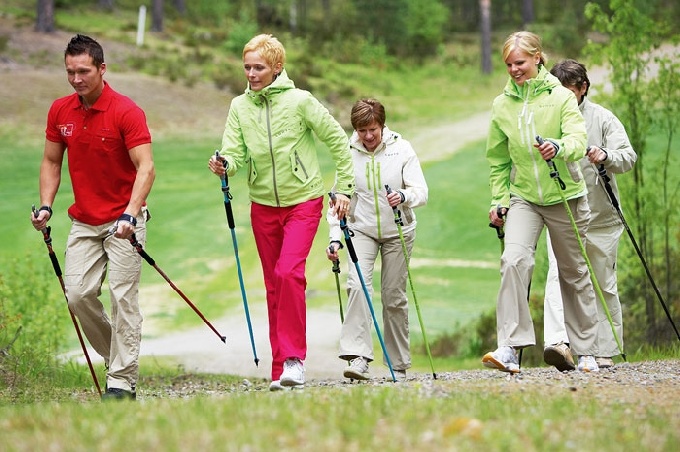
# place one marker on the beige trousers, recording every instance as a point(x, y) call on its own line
point(602, 247)
point(90, 252)
point(355, 336)
point(523, 226)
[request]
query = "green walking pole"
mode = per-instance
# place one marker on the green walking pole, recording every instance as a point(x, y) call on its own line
point(400, 223)
point(555, 175)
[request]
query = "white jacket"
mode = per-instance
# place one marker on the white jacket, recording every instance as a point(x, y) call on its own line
point(606, 132)
point(393, 163)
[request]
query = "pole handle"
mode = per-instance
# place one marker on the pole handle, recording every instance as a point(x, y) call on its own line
point(138, 247)
point(397, 212)
point(554, 174)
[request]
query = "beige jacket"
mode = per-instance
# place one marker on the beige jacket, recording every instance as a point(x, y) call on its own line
point(393, 163)
point(606, 132)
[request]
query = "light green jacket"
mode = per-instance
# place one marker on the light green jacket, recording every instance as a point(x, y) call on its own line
point(541, 106)
point(271, 132)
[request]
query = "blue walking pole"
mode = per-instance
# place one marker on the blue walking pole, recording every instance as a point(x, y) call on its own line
point(353, 255)
point(232, 228)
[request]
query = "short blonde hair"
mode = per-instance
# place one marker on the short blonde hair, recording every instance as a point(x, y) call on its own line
point(525, 41)
point(269, 47)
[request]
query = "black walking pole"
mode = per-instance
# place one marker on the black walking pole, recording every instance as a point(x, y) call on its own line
point(615, 202)
point(138, 247)
point(399, 222)
point(232, 228)
point(336, 270)
point(555, 175)
point(57, 270)
point(353, 255)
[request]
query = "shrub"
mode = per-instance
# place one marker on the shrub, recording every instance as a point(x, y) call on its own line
point(33, 321)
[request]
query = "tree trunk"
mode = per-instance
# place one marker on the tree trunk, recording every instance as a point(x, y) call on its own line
point(180, 6)
point(527, 12)
point(106, 4)
point(157, 16)
point(44, 21)
point(485, 27)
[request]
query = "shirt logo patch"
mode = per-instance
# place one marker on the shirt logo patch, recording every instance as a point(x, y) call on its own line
point(66, 130)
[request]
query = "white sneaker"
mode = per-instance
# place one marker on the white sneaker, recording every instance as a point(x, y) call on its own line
point(559, 355)
point(504, 359)
point(587, 363)
point(275, 385)
point(357, 369)
point(293, 373)
point(400, 375)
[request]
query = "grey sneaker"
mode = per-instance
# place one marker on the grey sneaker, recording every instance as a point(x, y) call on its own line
point(559, 355)
point(357, 369)
point(293, 373)
point(503, 359)
point(587, 363)
point(604, 362)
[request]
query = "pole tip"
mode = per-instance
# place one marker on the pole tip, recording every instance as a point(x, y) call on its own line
point(257, 362)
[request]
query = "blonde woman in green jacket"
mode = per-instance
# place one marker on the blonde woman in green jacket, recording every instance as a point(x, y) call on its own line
point(271, 133)
point(524, 199)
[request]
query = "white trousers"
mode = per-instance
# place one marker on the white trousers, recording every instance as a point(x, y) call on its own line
point(601, 247)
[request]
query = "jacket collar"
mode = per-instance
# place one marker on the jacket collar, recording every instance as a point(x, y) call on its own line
point(280, 84)
point(544, 81)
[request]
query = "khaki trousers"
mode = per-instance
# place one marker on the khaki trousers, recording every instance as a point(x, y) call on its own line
point(602, 247)
point(90, 252)
point(523, 226)
point(355, 336)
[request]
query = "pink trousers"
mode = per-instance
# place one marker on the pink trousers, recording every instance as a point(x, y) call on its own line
point(284, 237)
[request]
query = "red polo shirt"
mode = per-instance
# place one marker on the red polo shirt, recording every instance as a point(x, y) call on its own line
point(97, 141)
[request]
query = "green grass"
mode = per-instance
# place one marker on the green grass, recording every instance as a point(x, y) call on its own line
point(464, 415)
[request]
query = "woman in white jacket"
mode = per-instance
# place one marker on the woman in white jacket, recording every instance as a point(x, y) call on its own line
point(381, 157)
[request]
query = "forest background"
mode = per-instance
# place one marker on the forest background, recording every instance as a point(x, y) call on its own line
point(426, 60)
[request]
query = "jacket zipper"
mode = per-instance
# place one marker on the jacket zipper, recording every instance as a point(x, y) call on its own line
point(302, 165)
point(271, 150)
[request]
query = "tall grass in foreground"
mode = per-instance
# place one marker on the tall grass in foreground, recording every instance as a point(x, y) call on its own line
point(444, 416)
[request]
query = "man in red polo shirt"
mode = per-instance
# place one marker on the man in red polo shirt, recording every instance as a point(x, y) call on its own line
point(111, 167)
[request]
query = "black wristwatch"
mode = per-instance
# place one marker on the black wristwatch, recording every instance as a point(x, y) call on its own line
point(129, 218)
point(48, 208)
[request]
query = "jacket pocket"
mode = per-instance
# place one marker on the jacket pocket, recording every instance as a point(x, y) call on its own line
point(252, 171)
point(298, 167)
point(574, 169)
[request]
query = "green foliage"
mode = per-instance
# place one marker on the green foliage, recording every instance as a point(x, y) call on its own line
point(641, 99)
point(32, 326)
point(425, 28)
point(239, 34)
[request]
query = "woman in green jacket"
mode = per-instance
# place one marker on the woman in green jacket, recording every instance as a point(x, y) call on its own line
point(525, 198)
point(271, 132)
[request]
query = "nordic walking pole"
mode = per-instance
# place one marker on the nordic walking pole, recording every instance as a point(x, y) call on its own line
point(615, 202)
point(555, 175)
point(353, 255)
point(57, 270)
point(400, 223)
point(232, 228)
point(138, 247)
point(336, 270)
point(500, 233)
